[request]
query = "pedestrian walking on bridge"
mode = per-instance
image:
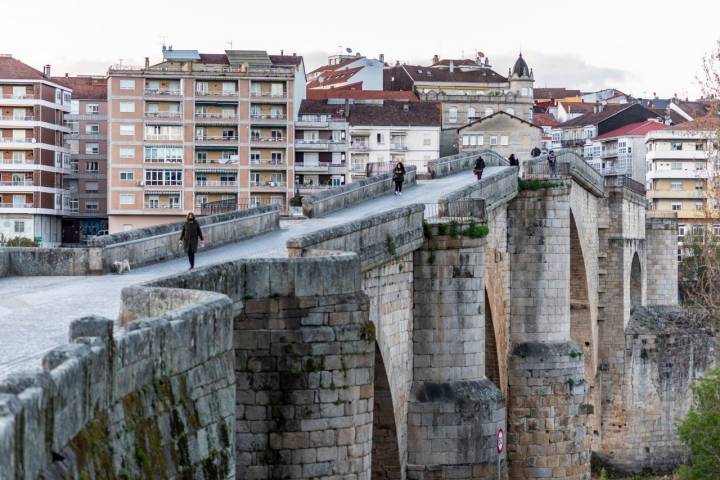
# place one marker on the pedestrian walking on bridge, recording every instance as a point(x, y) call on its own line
point(190, 236)
point(552, 161)
point(479, 167)
point(399, 177)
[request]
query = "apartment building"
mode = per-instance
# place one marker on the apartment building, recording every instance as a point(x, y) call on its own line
point(33, 159)
point(197, 129)
point(622, 151)
point(383, 133)
point(87, 142)
point(322, 143)
point(681, 175)
point(468, 89)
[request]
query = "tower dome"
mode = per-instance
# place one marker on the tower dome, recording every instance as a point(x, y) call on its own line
point(521, 68)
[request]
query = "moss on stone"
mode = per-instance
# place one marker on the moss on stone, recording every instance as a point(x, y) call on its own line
point(367, 331)
point(92, 448)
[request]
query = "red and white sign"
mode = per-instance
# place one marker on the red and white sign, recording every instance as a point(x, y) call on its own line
point(500, 440)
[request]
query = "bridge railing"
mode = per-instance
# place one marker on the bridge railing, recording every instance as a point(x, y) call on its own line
point(461, 211)
point(624, 181)
point(449, 165)
point(568, 165)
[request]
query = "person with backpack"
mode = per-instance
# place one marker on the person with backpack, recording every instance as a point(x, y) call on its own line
point(479, 167)
point(398, 177)
point(189, 236)
point(535, 152)
point(552, 161)
point(513, 160)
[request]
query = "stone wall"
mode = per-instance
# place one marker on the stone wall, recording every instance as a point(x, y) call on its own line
point(666, 348)
point(662, 270)
point(444, 166)
point(304, 354)
point(156, 401)
point(377, 239)
point(454, 411)
point(494, 190)
point(334, 199)
point(139, 247)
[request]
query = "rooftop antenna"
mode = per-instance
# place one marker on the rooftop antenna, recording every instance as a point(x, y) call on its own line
point(229, 43)
point(120, 60)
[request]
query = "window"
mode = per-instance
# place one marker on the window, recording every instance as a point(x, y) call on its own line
point(493, 140)
point(676, 146)
point(466, 140)
point(127, 175)
point(716, 230)
point(58, 96)
point(19, 157)
point(676, 186)
point(676, 206)
point(228, 88)
point(95, 108)
point(681, 231)
point(471, 114)
point(699, 205)
point(127, 153)
point(92, 205)
point(167, 154)
point(504, 140)
point(699, 146)
point(276, 158)
point(92, 128)
point(473, 140)
point(127, 84)
point(127, 199)
point(92, 148)
point(379, 138)
point(163, 177)
point(452, 115)
point(75, 107)
point(67, 98)
point(254, 157)
point(127, 130)
point(676, 166)
point(165, 132)
point(19, 226)
point(127, 107)
point(91, 166)
point(91, 187)
point(525, 92)
point(427, 141)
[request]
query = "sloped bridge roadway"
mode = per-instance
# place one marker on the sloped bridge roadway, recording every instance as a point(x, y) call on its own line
point(385, 336)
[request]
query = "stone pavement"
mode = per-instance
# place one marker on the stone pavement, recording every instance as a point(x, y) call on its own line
point(35, 312)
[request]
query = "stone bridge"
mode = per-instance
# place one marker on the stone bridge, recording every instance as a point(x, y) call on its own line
point(391, 345)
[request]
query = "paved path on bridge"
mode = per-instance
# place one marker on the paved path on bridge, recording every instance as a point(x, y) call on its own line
point(35, 311)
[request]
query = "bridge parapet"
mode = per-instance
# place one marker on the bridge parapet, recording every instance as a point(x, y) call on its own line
point(569, 165)
point(334, 199)
point(494, 190)
point(442, 167)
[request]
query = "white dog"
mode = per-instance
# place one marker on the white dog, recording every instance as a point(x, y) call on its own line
point(121, 267)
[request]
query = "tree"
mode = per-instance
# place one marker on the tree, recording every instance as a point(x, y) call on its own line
point(700, 429)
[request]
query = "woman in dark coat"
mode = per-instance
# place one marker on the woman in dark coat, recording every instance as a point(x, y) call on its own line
point(479, 167)
point(189, 237)
point(399, 177)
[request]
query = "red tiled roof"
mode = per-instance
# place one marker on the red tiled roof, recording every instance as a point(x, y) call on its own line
point(708, 122)
point(544, 120)
point(286, 59)
point(331, 78)
point(94, 88)
point(633, 129)
point(389, 113)
point(429, 74)
point(336, 66)
point(555, 93)
point(13, 69)
point(593, 118)
point(324, 94)
point(320, 107)
point(578, 107)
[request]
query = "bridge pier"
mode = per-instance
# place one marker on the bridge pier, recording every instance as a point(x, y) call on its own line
point(547, 410)
point(454, 410)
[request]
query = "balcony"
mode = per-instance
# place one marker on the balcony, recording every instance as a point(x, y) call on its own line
point(679, 174)
point(167, 206)
point(11, 96)
point(312, 167)
point(269, 96)
point(360, 146)
point(399, 147)
point(163, 115)
point(162, 92)
point(12, 118)
point(271, 117)
point(15, 183)
point(609, 153)
point(216, 138)
point(218, 162)
point(272, 141)
point(268, 164)
point(268, 185)
point(312, 188)
point(16, 205)
point(215, 118)
point(17, 140)
point(9, 162)
point(163, 137)
point(216, 183)
point(318, 122)
point(216, 93)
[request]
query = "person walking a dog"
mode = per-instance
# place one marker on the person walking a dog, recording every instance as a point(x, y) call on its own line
point(189, 237)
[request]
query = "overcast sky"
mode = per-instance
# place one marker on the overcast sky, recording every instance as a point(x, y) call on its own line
point(638, 46)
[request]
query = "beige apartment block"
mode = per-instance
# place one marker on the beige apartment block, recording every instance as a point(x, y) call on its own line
point(201, 128)
point(681, 172)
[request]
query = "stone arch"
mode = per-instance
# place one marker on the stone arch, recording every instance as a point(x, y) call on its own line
point(385, 449)
point(492, 359)
point(582, 331)
point(635, 282)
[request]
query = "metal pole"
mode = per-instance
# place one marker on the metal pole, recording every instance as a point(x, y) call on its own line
point(498, 468)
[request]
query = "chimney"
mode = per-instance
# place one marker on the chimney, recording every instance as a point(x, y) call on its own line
point(147, 62)
point(435, 59)
point(164, 47)
point(67, 75)
point(347, 107)
point(452, 66)
point(381, 57)
point(294, 54)
point(46, 70)
point(282, 52)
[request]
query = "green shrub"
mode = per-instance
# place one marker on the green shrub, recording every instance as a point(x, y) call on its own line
point(536, 184)
point(476, 231)
point(442, 229)
point(454, 229)
point(18, 242)
point(427, 230)
point(700, 429)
